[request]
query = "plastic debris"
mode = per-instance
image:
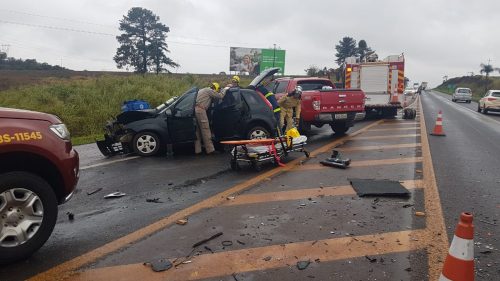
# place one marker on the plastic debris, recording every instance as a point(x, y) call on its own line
point(115, 195)
point(336, 161)
point(420, 214)
point(207, 240)
point(71, 216)
point(154, 200)
point(301, 265)
point(94, 191)
point(159, 265)
point(268, 258)
point(182, 222)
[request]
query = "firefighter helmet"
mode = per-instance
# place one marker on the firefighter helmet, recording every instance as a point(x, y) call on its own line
point(236, 79)
point(215, 86)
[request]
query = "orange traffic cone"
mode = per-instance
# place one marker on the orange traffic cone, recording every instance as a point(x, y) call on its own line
point(438, 128)
point(459, 264)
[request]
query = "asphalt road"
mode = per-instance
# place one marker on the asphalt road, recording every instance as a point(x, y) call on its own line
point(467, 168)
point(177, 183)
point(280, 216)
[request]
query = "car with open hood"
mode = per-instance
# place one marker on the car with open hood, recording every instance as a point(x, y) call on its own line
point(241, 114)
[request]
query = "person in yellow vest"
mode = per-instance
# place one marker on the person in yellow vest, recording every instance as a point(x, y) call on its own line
point(203, 101)
point(289, 103)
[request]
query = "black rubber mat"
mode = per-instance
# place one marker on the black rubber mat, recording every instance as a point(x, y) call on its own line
point(369, 187)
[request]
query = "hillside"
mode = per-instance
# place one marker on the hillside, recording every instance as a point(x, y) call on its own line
point(478, 84)
point(85, 103)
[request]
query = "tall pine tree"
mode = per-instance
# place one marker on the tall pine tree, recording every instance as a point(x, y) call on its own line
point(142, 43)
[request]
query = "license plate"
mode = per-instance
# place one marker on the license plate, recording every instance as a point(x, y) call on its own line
point(341, 116)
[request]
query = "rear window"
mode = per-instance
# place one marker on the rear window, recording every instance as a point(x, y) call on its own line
point(463, 91)
point(314, 85)
point(495, 94)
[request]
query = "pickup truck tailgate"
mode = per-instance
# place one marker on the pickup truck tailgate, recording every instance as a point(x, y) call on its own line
point(342, 100)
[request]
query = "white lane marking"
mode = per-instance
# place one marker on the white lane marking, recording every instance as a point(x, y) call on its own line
point(463, 107)
point(108, 163)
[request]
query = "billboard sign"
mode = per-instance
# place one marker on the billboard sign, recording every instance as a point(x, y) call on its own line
point(251, 61)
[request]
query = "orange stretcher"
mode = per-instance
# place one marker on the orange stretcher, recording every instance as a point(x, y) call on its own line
point(258, 151)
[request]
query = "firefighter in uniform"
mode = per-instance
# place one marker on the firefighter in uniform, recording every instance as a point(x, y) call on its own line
point(289, 103)
point(203, 101)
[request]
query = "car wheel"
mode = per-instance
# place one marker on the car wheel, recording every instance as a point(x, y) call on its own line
point(146, 143)
point(339, 128)
point(478, 108)
point(28, 213)
point(485, 111)
point(258, 132)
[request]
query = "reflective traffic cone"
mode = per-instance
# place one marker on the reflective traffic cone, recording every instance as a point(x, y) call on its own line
point(438, 128)
point(459, 264)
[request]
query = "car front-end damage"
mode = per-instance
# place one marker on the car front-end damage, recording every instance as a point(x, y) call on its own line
point(116, 139)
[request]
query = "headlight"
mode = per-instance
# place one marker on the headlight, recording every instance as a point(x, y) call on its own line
point(61, 131)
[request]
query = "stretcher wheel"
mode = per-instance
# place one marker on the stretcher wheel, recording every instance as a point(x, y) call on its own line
point(235, 166)
point(307, 154)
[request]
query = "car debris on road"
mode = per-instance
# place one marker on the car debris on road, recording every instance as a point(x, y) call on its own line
point(336, 160)
point(117, 194)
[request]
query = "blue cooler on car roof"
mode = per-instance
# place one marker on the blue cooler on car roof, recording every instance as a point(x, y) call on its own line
point(131, 105)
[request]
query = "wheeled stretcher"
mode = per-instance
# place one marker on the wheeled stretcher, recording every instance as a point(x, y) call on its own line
point(257, 152)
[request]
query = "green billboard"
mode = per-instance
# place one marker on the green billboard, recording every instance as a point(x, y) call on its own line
point(251, 61)
point(273, 58)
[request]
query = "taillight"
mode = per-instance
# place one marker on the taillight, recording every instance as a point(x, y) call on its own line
point(265, 100)
point(491, 99)
point(316, 103)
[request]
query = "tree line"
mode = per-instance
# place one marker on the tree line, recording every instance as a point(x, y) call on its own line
point(10, 63)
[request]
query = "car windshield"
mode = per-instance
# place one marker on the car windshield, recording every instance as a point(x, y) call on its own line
point(464, 91)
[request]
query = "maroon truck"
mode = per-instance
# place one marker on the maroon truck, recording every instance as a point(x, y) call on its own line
point(322, 103)
point(38, 171)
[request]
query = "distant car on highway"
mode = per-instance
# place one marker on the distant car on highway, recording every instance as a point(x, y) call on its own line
point(242, 114)
point(38, 171)
point(462, 94)
point(490, 102)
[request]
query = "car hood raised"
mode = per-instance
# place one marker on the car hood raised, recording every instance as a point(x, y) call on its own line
point(263, 75)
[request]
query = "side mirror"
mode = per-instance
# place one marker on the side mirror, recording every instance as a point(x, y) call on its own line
point(168, 112)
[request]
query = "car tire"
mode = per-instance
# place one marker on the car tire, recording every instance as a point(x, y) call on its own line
point(478, 108)
point(258, 132)
point(485, 111)
point(39, 201)
point(304, 127)
point(146, 143)
point(339, 128)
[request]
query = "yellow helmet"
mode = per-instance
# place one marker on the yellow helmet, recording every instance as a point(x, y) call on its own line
point(215, 86)
point(236, 79)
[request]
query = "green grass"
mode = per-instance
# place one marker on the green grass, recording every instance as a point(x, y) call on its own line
point(86, 104)
point(478, 84)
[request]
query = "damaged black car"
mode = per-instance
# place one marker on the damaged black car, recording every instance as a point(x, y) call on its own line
point(241, 114)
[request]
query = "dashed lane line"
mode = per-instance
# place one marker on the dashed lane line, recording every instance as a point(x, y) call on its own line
point(364, 163)
point(379, 147)
point(305, 193)
point(385, 137)
point(64, 270)
point(246, 260)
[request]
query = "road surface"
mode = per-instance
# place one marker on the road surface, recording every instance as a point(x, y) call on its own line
point(280, 219)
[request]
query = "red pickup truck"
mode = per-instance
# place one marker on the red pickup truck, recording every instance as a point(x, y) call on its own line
point(38, 171)
point(322, 103)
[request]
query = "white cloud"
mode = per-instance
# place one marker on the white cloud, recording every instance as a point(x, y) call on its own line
point(438, 37)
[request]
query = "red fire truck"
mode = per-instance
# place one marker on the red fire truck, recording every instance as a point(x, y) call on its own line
point(382, 81)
